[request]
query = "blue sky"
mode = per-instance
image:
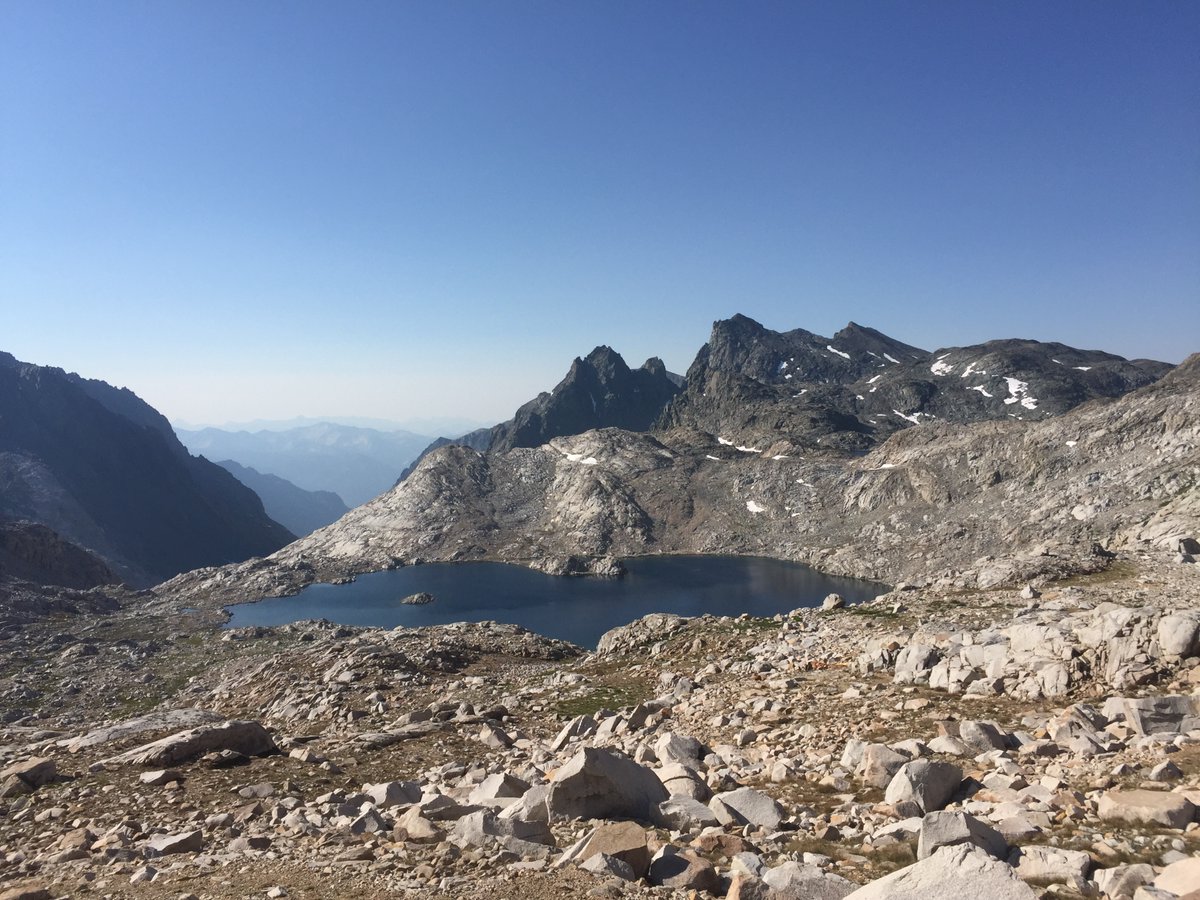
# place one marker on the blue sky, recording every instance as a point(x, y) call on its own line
point(260, 210)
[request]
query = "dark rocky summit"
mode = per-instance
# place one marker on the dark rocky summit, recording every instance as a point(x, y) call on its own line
point(599, 391)
point(102, 468)
point(852, 391)
point(298, 510)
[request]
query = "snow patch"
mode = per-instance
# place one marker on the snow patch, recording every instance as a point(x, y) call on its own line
point(1084, 368)
point(941, 368)
point(1020, 393)
point(915, 418)
point(1072, 443)
point(778, 456)
point(891, 358)
point(981, 389)
point(971, 370)
point(707, 456)
point(754, 507)
point(873, 379)
point(747, 449)
point(860, 396)
point(840, 353)
point(882, 466)
point(578, 457)
point(725, 441)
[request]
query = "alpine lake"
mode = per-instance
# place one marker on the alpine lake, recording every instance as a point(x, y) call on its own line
point(576, 609)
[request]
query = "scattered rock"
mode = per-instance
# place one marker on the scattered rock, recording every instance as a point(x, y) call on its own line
point(943, 828)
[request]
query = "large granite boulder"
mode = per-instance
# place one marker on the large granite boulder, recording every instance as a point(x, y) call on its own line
point(601, 784)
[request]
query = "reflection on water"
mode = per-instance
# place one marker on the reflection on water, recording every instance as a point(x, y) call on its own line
point(575, 609)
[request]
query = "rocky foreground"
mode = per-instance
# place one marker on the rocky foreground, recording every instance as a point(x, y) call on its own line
point(935, 742)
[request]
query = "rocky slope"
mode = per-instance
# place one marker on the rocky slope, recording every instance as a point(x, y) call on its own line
point(932, 742)
point(982, 504)
point(297, 510)
point(103, 469)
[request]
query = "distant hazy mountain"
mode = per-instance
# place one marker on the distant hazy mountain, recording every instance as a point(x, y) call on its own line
point(298, 510)
point(103, 469)
point(357, 464)
point(422, 426)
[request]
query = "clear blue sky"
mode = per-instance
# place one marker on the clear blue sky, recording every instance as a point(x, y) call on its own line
point(390, 209)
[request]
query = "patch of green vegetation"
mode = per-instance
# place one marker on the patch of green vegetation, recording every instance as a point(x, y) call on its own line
point(1121, 570)
point(149, 696)
point(603, 697)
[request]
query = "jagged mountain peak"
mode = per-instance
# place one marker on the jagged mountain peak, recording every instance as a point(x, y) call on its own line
point(599, 391)
point(654, 366)
point(604, 361)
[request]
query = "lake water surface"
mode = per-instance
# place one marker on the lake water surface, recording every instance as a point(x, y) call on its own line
point(574, 609)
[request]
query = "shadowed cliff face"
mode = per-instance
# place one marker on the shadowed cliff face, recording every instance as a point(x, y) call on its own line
point(101, 468)
point(34, 553)
point(296, 509)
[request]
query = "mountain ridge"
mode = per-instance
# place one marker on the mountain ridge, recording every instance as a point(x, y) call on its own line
point(100, 467)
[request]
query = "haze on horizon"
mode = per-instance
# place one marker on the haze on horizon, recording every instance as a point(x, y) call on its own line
point(261, 211)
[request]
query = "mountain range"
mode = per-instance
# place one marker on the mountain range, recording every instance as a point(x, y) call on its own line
point(859, 454)
point(764, 447)
point(598, 391)
point(355, 463)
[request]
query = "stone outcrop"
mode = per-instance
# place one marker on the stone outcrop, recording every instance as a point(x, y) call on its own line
point(246, 738)
point(951, 873)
